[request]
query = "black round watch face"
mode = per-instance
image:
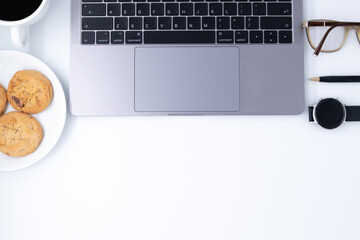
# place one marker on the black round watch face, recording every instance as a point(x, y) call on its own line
point(330, 113)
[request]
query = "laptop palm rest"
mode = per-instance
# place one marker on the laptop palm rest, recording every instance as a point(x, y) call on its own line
point(187, 79)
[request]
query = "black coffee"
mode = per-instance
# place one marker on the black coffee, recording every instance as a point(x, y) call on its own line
point(14, 10)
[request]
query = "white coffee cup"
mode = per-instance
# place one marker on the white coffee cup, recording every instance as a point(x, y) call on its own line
point(19, 27)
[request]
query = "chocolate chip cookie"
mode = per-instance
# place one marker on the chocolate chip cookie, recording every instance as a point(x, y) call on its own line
point(29, 91)
point(3, 100)
point(20, 134)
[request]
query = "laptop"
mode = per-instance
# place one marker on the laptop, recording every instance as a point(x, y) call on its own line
point(186, 57)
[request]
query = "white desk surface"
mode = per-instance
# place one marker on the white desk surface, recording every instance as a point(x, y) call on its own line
point(193, 178)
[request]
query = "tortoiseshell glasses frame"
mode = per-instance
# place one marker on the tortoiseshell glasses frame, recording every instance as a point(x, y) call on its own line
point(331, 25)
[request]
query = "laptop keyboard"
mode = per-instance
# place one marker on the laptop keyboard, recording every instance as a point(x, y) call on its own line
point(186, 22)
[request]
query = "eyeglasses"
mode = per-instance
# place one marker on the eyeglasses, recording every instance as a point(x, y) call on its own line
point(328, 35)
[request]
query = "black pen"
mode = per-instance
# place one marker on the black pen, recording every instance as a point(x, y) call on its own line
point(336, 79)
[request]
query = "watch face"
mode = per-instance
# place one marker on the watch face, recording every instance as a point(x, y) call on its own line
point(330, 113)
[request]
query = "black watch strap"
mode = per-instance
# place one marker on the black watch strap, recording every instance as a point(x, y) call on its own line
point(311, 115)
point(352, 113)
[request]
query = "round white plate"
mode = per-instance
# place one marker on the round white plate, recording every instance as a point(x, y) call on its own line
point(51, 119)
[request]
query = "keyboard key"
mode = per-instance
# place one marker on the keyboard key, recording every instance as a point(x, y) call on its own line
point(225, 37)
point(135, 23)
point(102, 37)
point(143, 9)
point(230, 9)
point(270, 40)
point(103, 23)
point(128, 9)
point(270, 33)
point(270, 36)
point(92, 0)
point(285, 37)
point(172, 9)
point(88, 37)
point(194, 23)
point(256, 36)
point(215, 9)
point(121, 23)
point(179, 23)
point(241, 37)
point(201, 8)
point(252, 23)
point(259, 9)
point(208, 23)
point(244, 8)
point(133, 37)
point(150, 23)
point(223, 23)
point(276, 22)
point(158, 37)
point(157, 9)
point(113, 9)
point(186, 9)
point(279, 9)
point(94, 10)
point(117, 37)
point(237, 23)
point(164, 22)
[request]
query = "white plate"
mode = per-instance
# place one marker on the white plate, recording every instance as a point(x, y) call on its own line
point(51, 119)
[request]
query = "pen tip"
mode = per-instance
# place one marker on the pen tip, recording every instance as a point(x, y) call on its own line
point(315, 79)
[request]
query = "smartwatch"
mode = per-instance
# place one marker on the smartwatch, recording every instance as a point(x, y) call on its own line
point(330, 113)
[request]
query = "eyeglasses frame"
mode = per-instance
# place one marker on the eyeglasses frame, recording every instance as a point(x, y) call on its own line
point(331, 24)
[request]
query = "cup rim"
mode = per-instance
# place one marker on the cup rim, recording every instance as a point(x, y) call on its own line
point(29, 19)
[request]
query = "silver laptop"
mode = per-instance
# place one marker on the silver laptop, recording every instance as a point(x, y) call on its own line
point(186, 57)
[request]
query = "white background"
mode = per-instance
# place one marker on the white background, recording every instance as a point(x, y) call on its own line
point(247, 177)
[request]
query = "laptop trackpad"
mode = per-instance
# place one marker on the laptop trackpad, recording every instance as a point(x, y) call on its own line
point(187, 79)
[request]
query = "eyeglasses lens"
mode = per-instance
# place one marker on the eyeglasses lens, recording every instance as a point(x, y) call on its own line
point(333, 41)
